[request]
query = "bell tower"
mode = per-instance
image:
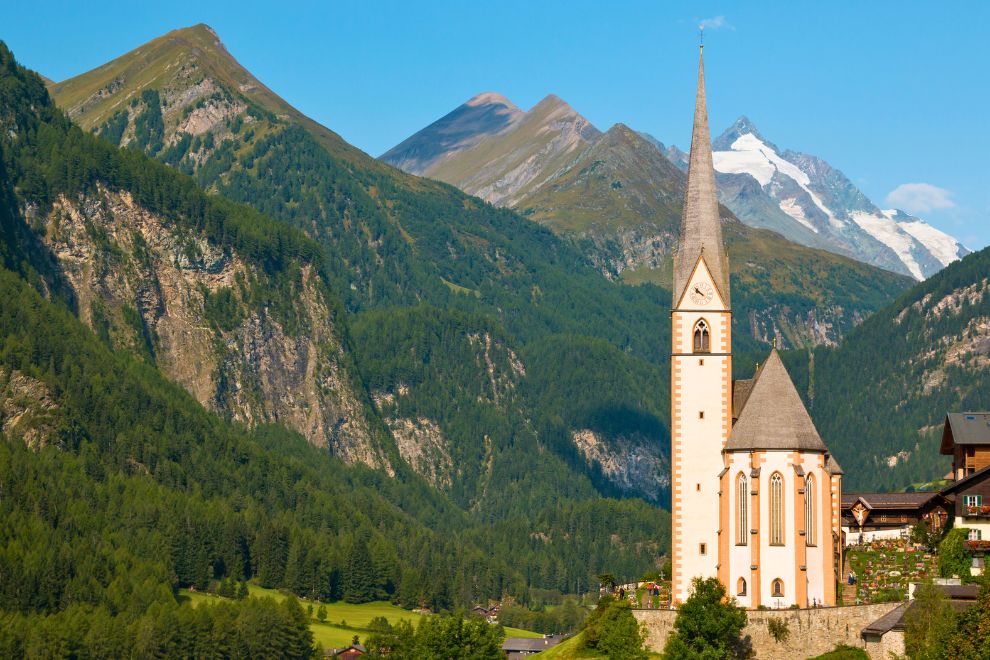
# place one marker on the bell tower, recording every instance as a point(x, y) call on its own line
point(700, 366)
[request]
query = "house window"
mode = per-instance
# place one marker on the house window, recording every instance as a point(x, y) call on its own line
point(741, 587)
point(975, 535)
point(809, 510)
point(776, 509)
point(742, 510)
point(974, 500)
point(702, 549)
point(777, 588)
point(702, 337)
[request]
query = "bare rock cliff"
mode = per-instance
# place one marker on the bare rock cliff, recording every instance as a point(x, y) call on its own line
point(185, 304)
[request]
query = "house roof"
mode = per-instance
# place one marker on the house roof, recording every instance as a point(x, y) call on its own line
point(965, 428)
point(961, 597)
point(774, 417)
point(967, 481)
point(701, 226)
point(892, 620)
point(889, 500)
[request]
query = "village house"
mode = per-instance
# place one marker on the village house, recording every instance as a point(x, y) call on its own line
point(868, 517)
point(966, 438)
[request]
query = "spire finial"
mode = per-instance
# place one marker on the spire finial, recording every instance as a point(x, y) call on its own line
point(775, 342)
point(701, 36)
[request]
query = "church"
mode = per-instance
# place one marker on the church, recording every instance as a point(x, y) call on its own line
point(756, 496)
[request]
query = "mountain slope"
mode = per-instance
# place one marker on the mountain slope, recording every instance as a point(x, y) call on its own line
point(485, 114)
point(233, 307)
point(119, 486)
point(879, 399)
point(503, 167)
point(814, 198)
point(620, 198)
point(394, 241)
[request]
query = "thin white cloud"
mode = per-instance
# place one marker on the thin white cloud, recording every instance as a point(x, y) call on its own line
point(715, 23)
point(920, 198)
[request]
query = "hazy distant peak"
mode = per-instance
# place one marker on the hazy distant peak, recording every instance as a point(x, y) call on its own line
point(490, 98)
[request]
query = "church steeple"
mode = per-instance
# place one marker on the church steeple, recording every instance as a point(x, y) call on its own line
point(701, 230)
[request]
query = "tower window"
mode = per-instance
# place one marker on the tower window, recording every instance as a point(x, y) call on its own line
point(701, 414)
point(778, 588)
point(742, 510)
point(809, 510)
point(702, 337)
point(776, 509)
point(701, 362)
point(702, 549)
point(697, 487)
point(741, 587)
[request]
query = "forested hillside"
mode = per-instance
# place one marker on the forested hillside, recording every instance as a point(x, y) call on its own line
point(880, 398)
point(119, 487)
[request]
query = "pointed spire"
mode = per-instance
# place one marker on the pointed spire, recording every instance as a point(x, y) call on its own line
point(701, 229)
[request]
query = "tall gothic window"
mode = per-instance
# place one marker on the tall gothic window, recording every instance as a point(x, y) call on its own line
point(776, 509)
point(702, 337)
point(742, 510)
point(809, 510)
point(741, 587)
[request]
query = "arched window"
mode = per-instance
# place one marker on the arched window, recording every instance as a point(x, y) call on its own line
point(777, 588)
point(809, 510)
point(742, 510)
point(702, 337)
point(741, 587)
point(776, 509)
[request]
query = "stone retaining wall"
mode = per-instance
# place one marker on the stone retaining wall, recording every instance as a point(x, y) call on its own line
point(812, 632)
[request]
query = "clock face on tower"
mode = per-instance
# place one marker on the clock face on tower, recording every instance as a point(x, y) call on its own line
point(702, 293)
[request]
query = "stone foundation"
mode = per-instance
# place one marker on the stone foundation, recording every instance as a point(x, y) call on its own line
point(812, 632)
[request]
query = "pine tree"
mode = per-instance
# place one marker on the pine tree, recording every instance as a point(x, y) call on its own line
point(359, 579)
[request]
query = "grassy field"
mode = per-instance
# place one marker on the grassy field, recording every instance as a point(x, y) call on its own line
point(344, 620)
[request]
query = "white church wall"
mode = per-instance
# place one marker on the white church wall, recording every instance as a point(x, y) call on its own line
point(740, 556)
point(777, 561)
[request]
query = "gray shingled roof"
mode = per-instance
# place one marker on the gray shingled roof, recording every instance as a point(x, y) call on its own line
point(889, 500)
point(701, 227)
point(965, 428)
point(832, 466)
point(774, 416)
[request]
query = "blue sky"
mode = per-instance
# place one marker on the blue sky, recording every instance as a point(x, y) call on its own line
point(891, 93)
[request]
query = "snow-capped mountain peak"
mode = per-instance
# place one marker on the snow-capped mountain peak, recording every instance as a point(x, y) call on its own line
point(811, 202)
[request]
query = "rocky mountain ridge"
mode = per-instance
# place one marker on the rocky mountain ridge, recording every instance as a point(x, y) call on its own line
point(620, 198)
point(811, 202)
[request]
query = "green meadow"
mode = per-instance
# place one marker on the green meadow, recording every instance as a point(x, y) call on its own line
point(344, 620)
